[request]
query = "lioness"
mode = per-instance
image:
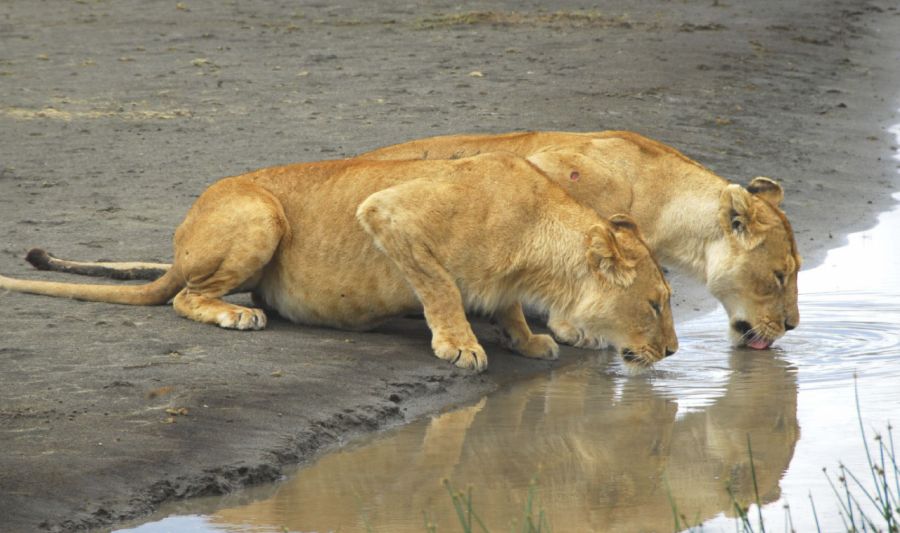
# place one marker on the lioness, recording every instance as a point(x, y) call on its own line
point(350, 243)
point(735, 240)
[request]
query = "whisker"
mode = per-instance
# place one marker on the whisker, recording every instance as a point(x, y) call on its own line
point(746, 337)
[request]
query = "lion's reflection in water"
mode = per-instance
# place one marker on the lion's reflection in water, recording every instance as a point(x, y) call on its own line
point(606, 451)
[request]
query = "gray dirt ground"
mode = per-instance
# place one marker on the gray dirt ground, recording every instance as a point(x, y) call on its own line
point(115, 115)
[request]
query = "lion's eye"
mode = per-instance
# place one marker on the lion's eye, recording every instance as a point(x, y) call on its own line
point(656, 307)
point(780, 277)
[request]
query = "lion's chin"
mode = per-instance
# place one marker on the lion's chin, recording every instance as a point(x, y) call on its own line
point(636, 362)
point(633, 369)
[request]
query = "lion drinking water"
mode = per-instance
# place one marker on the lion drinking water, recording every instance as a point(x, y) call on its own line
point(351, 243)
point(735, 240)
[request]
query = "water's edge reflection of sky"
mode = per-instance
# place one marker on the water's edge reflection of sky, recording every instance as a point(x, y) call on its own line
point(609, 450)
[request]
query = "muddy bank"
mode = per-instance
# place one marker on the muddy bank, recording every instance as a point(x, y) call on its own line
point(114, 117)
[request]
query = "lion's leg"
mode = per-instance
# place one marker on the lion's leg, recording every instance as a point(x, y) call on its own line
point(517, 336)
point(212, 310)
point(566, 333)
point(229, 235)
point(446, 435)
point(452, 336)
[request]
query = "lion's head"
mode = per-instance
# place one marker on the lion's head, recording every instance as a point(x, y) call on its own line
point(753, 271)
point(630, 306)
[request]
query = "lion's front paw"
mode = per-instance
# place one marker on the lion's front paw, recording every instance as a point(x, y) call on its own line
point(242, 318)
point(590, 342)
point(536, 347)
point(541, 347)
point(565, 332)
point(569, 334)
point(465, 355)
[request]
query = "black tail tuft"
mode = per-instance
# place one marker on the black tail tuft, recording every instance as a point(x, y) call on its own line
point(39, 258)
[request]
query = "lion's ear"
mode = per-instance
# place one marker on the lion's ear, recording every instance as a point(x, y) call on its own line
point(767, 189)
point(623, 222)
point(605, 257)
point(739, 218)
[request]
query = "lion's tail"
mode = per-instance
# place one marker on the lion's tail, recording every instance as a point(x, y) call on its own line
point(156, 292)
point(42, 260)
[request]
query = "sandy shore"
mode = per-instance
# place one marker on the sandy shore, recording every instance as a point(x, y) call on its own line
point(114, 116)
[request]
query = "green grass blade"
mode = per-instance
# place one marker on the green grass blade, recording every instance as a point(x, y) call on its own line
point(677, 522)
point(469, 508)
point(762, 526)
point(429, 525)
point(890, 502)
point(840, 500)
point(458, 506)
point(853, 500)
point(815, 514)
point(739, 511)
point(788, 519)
point(472, 515)
point(862, 488)
point(862, 432)
point(893, 457)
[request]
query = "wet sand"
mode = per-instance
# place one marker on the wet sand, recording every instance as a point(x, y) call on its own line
point(115, 116)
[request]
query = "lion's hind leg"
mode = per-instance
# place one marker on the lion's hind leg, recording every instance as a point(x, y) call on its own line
point(226, 240)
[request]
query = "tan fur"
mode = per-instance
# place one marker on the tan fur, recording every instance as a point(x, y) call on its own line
point(735, 240)
point(351, 243)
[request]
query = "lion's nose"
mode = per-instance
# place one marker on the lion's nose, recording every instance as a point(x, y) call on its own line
point(742, 326)
point(670, 351)
point(788, 326)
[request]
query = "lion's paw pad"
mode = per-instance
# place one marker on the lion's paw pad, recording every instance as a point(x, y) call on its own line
point(565, 333)
point(577, 337)
point(539, 347)
point(243, 319)
point(471, 356)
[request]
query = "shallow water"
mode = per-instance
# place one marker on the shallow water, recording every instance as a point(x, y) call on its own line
point(608, 450)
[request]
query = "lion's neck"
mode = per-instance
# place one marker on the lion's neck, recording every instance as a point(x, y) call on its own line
point(551, 269)
point(687, 231)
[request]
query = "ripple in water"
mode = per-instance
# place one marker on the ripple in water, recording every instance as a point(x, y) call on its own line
point(844, 334)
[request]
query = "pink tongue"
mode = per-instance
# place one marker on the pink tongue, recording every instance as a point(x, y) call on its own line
point(759, 344)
